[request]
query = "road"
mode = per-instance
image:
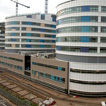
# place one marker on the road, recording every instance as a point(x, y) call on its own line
point(4, 102)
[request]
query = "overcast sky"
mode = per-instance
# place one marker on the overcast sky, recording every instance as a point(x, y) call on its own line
point(8, 8)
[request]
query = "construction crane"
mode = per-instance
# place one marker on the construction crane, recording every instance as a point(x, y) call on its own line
point(46, 6)
point(17, 6)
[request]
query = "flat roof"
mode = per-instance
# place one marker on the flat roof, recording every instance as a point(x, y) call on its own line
point(27, 14)
point(65, 2)
point(62, 3)
point(22, 15)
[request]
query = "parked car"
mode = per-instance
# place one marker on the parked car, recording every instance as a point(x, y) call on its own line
point(48, 102)
point(103, 103)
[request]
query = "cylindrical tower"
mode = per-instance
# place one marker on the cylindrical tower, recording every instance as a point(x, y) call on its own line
point(81, 40)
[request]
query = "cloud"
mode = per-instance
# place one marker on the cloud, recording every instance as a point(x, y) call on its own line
point(8, 8)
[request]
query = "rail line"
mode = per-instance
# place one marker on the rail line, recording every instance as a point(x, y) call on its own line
point(26, 87)
point(29, 87)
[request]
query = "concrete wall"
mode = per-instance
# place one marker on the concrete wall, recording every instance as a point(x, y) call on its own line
point(51, 71)
point(11, 61)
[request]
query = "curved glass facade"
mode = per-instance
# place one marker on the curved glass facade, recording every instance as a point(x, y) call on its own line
point(77, 39)
point(77, 49)
point(12, 29)
point(38, 40)
point(12, 34)
point(29, 32)
point(13, 23)
point(78, 9)
point(81, 28)
point(78, 19)
point(78, 29)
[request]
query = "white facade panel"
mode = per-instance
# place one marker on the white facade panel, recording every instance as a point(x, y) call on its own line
point(46, 38)
point(87, 77)
point(87, 88)
point(88, 66)
point(77, 46)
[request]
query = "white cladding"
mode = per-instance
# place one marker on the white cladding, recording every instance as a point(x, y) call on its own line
point(35, 18)
point(87, 77)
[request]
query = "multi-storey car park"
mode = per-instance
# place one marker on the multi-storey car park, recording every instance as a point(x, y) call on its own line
point(81, 40)
point(31, 32)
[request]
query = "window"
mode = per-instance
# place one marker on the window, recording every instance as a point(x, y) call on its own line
point(51, 77)
point(93, 39)
point(93, 50)
point(85, 29)
point(78, 9)
point(49, 66)
point(103, 39)
point(103, 9)
point(33, 63)
point(93, 19)
point(103, 19)
point(53, 18)
point(85, 19)
point(28, 46)
point(13, 23)
point(24, 28)
point(12, 28)
point(94, 8)
point(84, 49)
point(42, 17)
point(30, 23)
point(103, 29)
point(12, 34)
point(48, 76)
point(12, 40)
point(78, 49)
point(103, 50)
point(29, 16)
point(93, 29)
point(85, 8)
point(41, 74)
point(78, 19)
point(84, 39)
point(33, 72)
point(88, 71)
point(78, 29)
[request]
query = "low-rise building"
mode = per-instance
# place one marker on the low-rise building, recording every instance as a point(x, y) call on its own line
point(51, 73)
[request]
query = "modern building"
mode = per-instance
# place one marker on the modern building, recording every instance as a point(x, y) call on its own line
point(2, 36)
point(2, 27)
point(32, 32)
point(51, 73)
point(81, 40)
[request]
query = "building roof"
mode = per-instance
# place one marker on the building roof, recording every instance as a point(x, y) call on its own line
point(65, 2)
point(20, 15)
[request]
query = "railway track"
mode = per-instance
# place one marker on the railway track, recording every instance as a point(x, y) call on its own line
point(29, 86)
point(25, 84)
